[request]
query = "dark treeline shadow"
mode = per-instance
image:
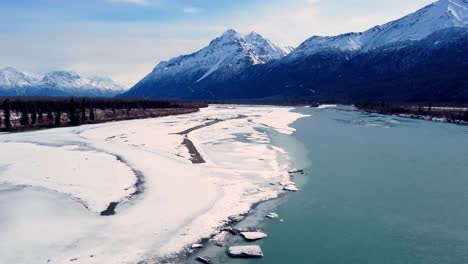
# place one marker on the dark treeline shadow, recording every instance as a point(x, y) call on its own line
point(29, 113)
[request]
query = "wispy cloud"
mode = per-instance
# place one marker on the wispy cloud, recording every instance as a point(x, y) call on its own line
point(137, 2)
point(192, 10)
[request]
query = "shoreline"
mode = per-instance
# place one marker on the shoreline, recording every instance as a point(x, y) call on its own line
point(187, 252)
point(252, 219)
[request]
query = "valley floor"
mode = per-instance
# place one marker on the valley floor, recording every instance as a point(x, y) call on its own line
point(55, 184)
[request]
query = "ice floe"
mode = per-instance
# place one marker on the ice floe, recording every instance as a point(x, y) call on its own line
point(253, 236)
point(245, 251)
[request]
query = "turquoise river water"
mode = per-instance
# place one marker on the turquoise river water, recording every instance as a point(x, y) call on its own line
point(378, 189)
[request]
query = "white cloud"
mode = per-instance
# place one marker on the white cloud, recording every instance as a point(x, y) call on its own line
point(192, 10)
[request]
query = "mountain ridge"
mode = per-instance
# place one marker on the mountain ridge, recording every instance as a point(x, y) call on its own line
point(338, 67)
point(224, 57)
point(415, 26)
point(56, 83)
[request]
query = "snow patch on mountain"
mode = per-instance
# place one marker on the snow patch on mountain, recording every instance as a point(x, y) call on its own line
point(416, 26)
point(104, 83)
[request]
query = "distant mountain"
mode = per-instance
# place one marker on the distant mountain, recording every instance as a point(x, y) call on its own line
point(58, 83)
point(433, 69)
point(417, 26)
point(420, 57)
point(11, 78)
point(224, 57)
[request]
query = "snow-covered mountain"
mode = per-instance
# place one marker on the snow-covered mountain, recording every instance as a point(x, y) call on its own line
point(230, 50)
point(420, 57)
point(416, 26)
point(225, 56)
point(63, 80)
point(57, 83)
point(104, 83)
point(11, 78)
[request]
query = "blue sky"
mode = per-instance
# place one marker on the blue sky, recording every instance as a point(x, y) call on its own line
point(125, 39)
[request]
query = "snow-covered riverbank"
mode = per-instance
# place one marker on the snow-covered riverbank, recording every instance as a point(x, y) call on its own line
point(164, 201)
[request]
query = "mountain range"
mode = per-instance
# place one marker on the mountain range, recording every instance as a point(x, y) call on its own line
point(57, 83)
point(420, 57)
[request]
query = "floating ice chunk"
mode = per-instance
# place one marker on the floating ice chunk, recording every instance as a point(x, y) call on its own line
point(205, 259)
point(245, 252)
point(291, 188)
point(252, 236)
point(197, 246)
point(272, 215)
point(325, 106)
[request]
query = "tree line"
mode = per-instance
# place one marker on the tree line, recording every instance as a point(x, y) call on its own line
point(449, 112)
point(22, 113)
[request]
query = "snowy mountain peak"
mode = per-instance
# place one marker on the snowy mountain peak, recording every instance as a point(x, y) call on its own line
point(231, 50)
point(230, 32)
point(104, 83)
point(66, 79)
point(416, 26)
point(70, 79)
point(10, 69)
point(230, 37)
point(266, 47)
point(253, 36)
point(62, 74)
point(12, 78)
